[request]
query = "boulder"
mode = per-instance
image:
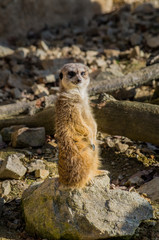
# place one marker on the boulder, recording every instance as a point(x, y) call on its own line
point(95, 212)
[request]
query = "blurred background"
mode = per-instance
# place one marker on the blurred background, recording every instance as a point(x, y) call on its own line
point(38, 37)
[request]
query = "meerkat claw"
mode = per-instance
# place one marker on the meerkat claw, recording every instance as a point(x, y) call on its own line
point(90, 183)
point(93, 147)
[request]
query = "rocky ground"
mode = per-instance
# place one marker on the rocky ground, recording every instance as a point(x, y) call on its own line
point(119, 42)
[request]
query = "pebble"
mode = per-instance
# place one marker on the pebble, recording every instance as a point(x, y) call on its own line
point(36, 165)
point(43, 45)
point(6, 187)
point(41, 173)
point(121, 147)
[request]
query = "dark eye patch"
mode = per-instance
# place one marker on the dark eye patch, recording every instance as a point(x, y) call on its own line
point(71, 74)
point(83, 73)
point(61, 75)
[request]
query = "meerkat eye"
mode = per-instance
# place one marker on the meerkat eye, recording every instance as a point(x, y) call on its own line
point(61, 75)
point(83, 73)
point(71, 74)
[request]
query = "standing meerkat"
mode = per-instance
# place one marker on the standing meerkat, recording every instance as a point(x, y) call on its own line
point(76, 129)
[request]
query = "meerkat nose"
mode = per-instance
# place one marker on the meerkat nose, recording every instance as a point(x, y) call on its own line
point(79, 80)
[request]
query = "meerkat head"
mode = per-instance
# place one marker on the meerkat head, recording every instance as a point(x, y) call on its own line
point(74, 75)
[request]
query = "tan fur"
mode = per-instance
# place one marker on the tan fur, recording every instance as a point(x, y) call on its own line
point(76, 130)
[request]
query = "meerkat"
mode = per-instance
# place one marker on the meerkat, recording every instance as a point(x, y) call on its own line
point(76, 129)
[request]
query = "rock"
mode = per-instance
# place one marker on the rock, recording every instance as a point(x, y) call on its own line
point(36, 165)
point(40, 54)
point(112, 53)
point(152, 42)
point(40, 90)
point(21, 53)
point(18, 82)
point(109, 142)
point(135, 179)
point(12, 168)
point(7, 132)
point(121, 147)
point(6, 188)
point(145, 8)
point(75, 50)
point(5, 51)
point(135, 52)
point(135, 39)
point(50, 78)
point(91, 53)
point(143, 93)
point(41, 173)
point(43, 45)
point(151, 188)
point(16, 93)
point(24, 137)
point(101, 62)
point(4, 74)
point(94, 212)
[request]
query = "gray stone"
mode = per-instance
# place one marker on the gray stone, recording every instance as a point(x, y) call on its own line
point(43, 45)
point(21, 53)
point(152, 42)
point(136, 179)
point(6, 188)
point(41, 173)
point(24, 137)
point(50, 78)
point(151, 188)
point(121, 147)
point(40, 90)
point(95, 212)
point(5, 51)
point(135, 39)
point(19, 82)
point(109, 142)
point(4, 74)
point(7, 132)
point(36, 165)
point(12, 168)
point(16, 93)
point(40, 54)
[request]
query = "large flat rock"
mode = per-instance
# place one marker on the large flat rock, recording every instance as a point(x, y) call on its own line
point(95, 212)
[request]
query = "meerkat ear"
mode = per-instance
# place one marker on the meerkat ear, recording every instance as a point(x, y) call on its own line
point(61, 75)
